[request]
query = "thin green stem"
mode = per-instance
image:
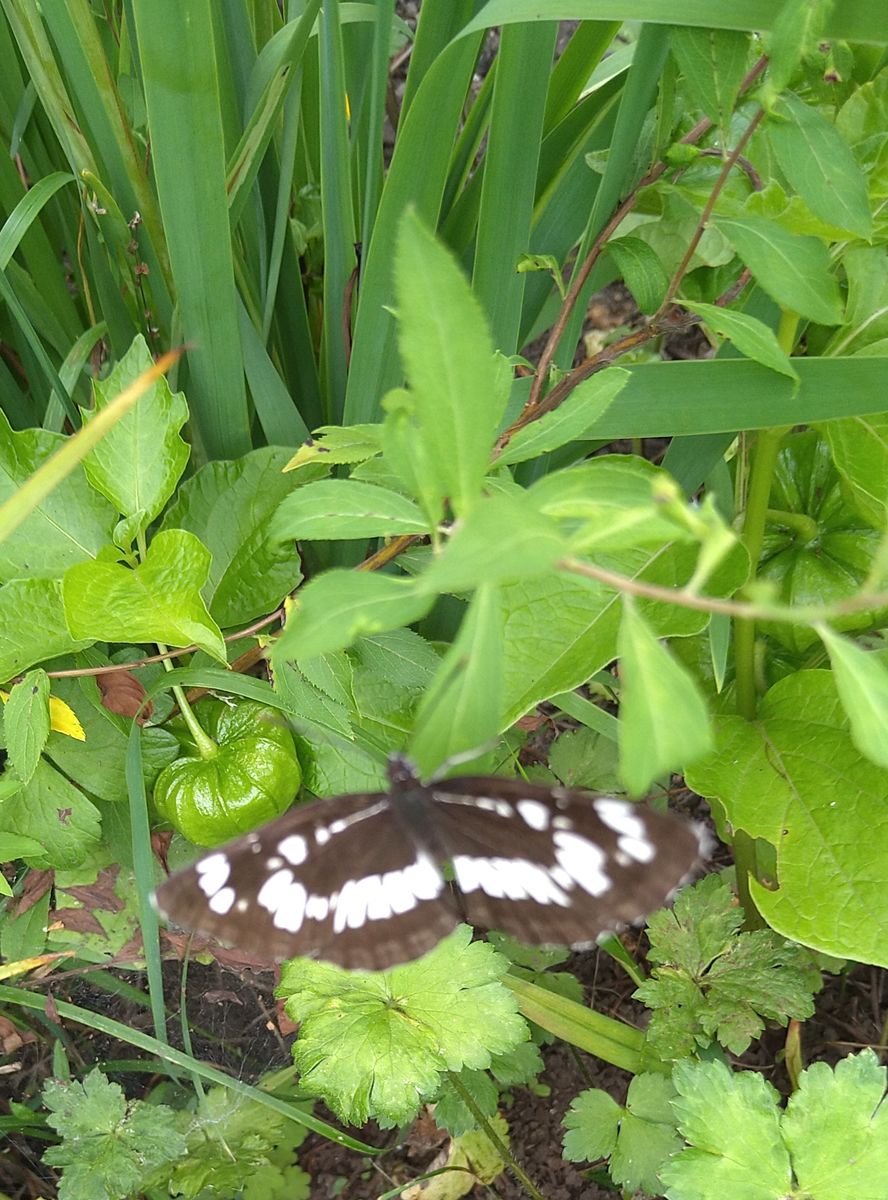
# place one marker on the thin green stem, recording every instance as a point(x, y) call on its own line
point(501, 1148)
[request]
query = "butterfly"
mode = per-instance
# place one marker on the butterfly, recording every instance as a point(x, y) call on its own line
point(370, 880)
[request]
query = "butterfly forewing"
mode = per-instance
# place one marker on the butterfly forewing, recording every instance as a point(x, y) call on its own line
point(358, 880)
point(338, 879)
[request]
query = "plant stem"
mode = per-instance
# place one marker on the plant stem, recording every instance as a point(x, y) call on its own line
point(499, 1145)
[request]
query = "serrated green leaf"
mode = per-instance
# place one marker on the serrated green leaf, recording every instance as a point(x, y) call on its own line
point(229, 506)
point(653, 683)
point(138, 463)
point(451, 1111)
point(793, 269)
point(504, 538)
point(647, 1137)
point(642, 271)
point(819, 164)
point(109, 1146)
point(796, 779)
point(378, 1044)
point(336, 608)
point(732, 1123)
point(345, 508)
point(409, 455)
point(158, 601)
point(462, 708)
point(570, 420)
point(70, 525)
point(592, 1123)
point(333, 445)
point(456, 381)
point(836, 1128)
point(751, 336)
point(400, 656)
point(862, 683)
point(26, 723)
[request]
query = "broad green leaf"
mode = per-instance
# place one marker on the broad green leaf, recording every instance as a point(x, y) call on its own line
point(653, 683)
point(796, 779)
point(55, 813)
point(157, 601)
point(819, 164)
point(647, 1137)
point(569, 421)
point(138, 463)
point(859, 449)
point(461, 709)
point(456, 381)
point(733, 1126)
point(862, 684)
point(504, 538)
point(751, 336)
point(608, 503)
point(592, 1123)
point(32, 625)
point(335, 444)
point(713, 63)
point(797, 28)
point(561, 630)
point(98, 763)
point(865, 325)
point(845, 1159)
point(230, 506)
point(642, 272)
point(26, 722)
point(794, 270)
point(409, 455)
point(336, 608)
point(401, 657)
point(14, 846)
point(345, 508)
point(71, 524)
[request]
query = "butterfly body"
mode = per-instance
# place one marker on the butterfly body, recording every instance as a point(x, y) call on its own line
point(362, 880)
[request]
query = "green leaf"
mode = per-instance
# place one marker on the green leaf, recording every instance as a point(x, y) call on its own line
point(647, 1138)
point(859, 449)
point(378, 1044)
point(609, 503)
point(346, 508)
point(157, 601)
point(457, 382)
point(831, 1143)
point(862, 684)
point(230, 506)
point(336, 608)
point(70, 525)
point(108, 1144)
point(461, 709)
point(836, 1129)
point(655, 683)
point(504, 538)
point(751, 336)
point(15, 846)
point(333, 445)
point(592, 1123)
point(138, 463)
point(410, 455)
point(642, 272)
point(451, 1111)
point(98, 764)
point(796, 779)
point(820, 164)
point(400, 656)
point(732, 1123)
point(712, 982)
point(713, 63)
point(55, 813)
point(793, 269)
point(570, 421)
point(26, 722)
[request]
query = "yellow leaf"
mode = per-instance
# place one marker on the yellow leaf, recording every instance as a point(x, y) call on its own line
point(64, 720)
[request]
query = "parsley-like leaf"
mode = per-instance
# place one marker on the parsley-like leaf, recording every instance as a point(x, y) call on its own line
point(377, 1044)
point(712, 982)
point(109, 1146)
